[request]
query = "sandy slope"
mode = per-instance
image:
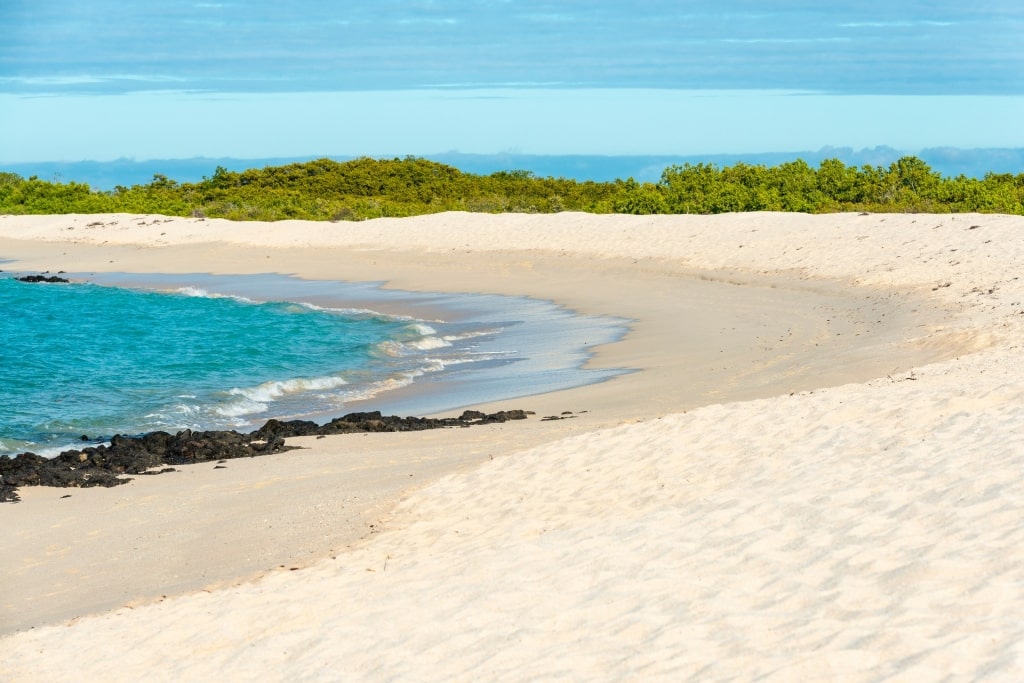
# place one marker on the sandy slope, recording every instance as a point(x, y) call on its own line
point(864, 531)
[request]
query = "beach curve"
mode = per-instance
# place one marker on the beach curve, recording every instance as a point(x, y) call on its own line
point(775, 528)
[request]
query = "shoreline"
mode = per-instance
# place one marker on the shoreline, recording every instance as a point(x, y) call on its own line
point(117, 461)
point(571, 272)
point(545, 343)
point(898, 321)
point(728, 336)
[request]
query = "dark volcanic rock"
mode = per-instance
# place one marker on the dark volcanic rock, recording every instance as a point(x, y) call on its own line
point(355, 423)
point(8, 494)
point(275, 429)
point(105, 465)
point(42, 278)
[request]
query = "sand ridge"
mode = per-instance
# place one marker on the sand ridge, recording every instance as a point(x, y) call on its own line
point(864, 531)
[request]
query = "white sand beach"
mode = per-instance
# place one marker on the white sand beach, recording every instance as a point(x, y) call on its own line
point(813, 474)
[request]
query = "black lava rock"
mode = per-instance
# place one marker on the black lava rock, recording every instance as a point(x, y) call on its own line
point(104, 465)
point(42, 278)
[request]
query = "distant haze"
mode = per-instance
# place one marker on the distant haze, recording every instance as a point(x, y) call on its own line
point(127, 172)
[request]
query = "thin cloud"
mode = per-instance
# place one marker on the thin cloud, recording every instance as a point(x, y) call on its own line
point(89, 79)
point(894, 24)
point(313, 45)
point(470, 85)
point(447, 21)
point(787, 41)
point(552, 18)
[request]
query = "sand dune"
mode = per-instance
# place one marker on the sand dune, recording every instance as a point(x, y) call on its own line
point(842, 505)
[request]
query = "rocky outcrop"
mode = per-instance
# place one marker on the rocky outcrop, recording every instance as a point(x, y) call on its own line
point(156, 452)
point(42, 278)
point(375, 422)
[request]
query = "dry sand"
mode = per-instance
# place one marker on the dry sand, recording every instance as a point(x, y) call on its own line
point(813, 475)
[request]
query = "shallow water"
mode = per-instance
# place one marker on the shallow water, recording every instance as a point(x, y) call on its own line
point(213, 352)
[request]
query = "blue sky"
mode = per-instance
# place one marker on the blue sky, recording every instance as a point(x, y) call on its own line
point(171, 79)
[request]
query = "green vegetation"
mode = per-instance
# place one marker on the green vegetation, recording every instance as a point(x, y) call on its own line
point(371, 188)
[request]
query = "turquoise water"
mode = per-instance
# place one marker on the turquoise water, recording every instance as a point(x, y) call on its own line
point(212, 353)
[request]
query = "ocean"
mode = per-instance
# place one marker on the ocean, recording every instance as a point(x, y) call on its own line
point(126, 354)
